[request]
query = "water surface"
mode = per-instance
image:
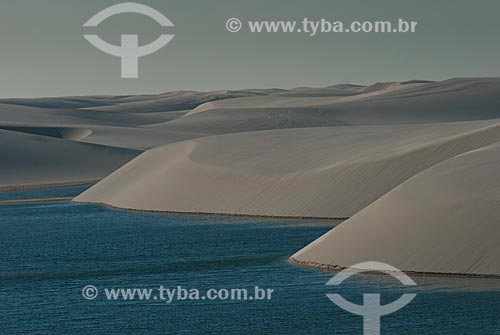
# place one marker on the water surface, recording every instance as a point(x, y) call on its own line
point(50, 251)
point(61, 192)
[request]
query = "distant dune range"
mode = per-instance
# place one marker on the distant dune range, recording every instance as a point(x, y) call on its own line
point(412, 164)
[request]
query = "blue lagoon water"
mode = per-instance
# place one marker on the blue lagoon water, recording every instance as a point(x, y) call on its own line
point(50, 251)
point(60, 192)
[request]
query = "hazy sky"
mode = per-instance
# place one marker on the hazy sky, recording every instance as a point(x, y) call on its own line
point(43, 52)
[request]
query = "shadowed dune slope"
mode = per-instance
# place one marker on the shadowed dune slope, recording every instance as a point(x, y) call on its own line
point(32, 160)
point(443, 220)
point(310, 172)
point(66, 133)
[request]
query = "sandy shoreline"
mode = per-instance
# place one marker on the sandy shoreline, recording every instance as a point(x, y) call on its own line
point(44, 186)
point(337, 268)
point(213, 214)
point(28, 201)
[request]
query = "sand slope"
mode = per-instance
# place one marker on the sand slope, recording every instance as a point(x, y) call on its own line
point(443, 220)
point(134, 122)
point(29, 159)
point(146, 121)
point(310, 172)
point(67, 133)
point(378, 104)
point(175, 101)
point(114, 128)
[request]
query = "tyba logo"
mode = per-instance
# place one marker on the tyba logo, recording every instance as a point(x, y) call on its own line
point(129, 51)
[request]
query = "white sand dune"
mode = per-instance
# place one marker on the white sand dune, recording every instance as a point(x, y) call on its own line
point(443, 220)
point(29, 159)
point(59, 103)
point(414, 164)
point(112, 129)
point(379, 104)
point(138, 138)
point(302, 97)
point(311, 172)
point(67, 133)
point(175, 101)
point(134, 122)
point(147, 121)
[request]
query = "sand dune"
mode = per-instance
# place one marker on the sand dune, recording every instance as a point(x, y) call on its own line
point(311, 172)
point(379, 104)
point(414, 164)
point(66, 133)
point(175, 101)
point(138, 138)
point(443, 220)
point(112, 129)
point(29, 159)
point(146, 121)
point(134, 122)
point(58, 103)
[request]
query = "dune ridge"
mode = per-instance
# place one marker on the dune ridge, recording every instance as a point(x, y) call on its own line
point(442, 220)
point(286, 173)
